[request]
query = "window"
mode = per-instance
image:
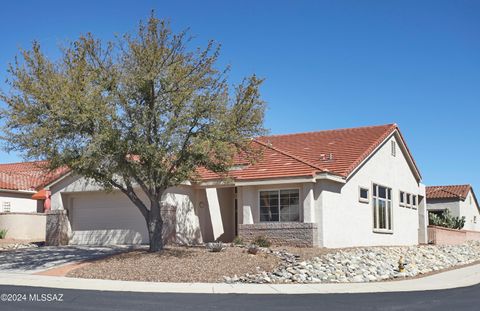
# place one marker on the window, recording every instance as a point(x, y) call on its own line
point(474, 219)
point(6, 207)
point(382, 208)
point(363, 195)
point(408, 200)
point(279, 205)
point(394, 148)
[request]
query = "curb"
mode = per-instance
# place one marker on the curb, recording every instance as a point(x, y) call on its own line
point(462, 277)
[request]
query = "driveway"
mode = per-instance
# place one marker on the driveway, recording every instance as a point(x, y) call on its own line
point(30, 260)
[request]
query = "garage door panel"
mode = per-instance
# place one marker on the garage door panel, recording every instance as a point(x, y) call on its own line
point(106, 218)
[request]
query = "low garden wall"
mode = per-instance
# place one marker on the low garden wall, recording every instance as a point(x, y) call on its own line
point(442, 236)
point(286, 233)
point(24, 226)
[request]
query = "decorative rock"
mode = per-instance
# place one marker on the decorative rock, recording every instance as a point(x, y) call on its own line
point(365, 264)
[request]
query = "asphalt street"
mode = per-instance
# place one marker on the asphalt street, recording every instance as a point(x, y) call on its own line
point(35, 298)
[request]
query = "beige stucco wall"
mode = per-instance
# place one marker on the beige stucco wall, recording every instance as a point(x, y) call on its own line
point(345, 222)
point(19, 202)
point(193, 224)
point(469, 210)
point(24, 226)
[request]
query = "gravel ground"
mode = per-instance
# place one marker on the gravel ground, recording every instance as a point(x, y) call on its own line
point(177, 264)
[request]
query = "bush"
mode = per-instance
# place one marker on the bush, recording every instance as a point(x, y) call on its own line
point(3, 233)
point(262, 241)
point(446, 220)
point(238, 241)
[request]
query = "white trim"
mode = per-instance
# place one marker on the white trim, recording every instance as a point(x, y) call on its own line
point(274, 182)
point(363, 200)
point(19, 191)
point(391, 220)
point(47, 187)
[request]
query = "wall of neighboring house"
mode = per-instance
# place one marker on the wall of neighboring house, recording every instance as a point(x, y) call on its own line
point(469, 210)
point(344, 221)
point(18, 202)
point(439, 205)
point(458, 208)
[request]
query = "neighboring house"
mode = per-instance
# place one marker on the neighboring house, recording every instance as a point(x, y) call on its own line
point(18, 183)
point(336, 188)
point(459, 199)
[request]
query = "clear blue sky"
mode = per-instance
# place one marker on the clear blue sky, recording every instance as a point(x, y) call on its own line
point(327, 64)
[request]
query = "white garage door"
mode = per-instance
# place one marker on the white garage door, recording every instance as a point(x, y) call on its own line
point(105, 219)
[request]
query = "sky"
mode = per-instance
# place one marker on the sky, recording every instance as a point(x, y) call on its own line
point(326, 64)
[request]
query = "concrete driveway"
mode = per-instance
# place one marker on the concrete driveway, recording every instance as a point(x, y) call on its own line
point(31, 260)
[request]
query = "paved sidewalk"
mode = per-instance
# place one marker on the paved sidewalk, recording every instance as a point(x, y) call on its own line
point(462, 277)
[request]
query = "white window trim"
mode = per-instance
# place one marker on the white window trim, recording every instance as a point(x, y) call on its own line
point(400, 195)
point(405, 204)
point(300, 205)
point(363, 200)
point(378, 230)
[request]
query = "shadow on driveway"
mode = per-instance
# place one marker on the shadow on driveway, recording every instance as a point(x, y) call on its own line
point(29, 260)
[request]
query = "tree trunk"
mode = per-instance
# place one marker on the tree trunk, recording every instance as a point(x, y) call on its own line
point(155, 227)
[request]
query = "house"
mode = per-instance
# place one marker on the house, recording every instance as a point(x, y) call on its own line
point(19, 182)
point(335, 188)
point(21, 205)
point(460, 200)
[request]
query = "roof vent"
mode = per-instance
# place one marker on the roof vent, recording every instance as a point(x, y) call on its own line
point(326, 157)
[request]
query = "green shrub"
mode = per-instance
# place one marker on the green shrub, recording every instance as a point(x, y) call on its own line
point(3, 233)
point(446, 220)
point(262, 241)
point(238, 241)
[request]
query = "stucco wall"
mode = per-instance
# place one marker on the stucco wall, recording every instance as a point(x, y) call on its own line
point(24, 226)
point(469, 209)
point(445, 236)
point(440, 205)
point(344, 221)
point(19, 202)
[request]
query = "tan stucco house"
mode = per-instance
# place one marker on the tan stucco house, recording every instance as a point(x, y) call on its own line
point(335, 188)
point(459, 199)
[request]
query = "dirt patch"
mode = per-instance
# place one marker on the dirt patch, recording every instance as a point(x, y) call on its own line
point(177, 264)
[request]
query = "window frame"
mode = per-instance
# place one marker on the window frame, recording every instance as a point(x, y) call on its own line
point(401, 195)
point(405, 204)
point(393, 147)
point(391, 213)
point(363, 200)
point(300, 205)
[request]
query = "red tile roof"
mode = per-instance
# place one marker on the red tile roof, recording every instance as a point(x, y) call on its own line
point(338, 152)
point(29, 176)
point(448, 192)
